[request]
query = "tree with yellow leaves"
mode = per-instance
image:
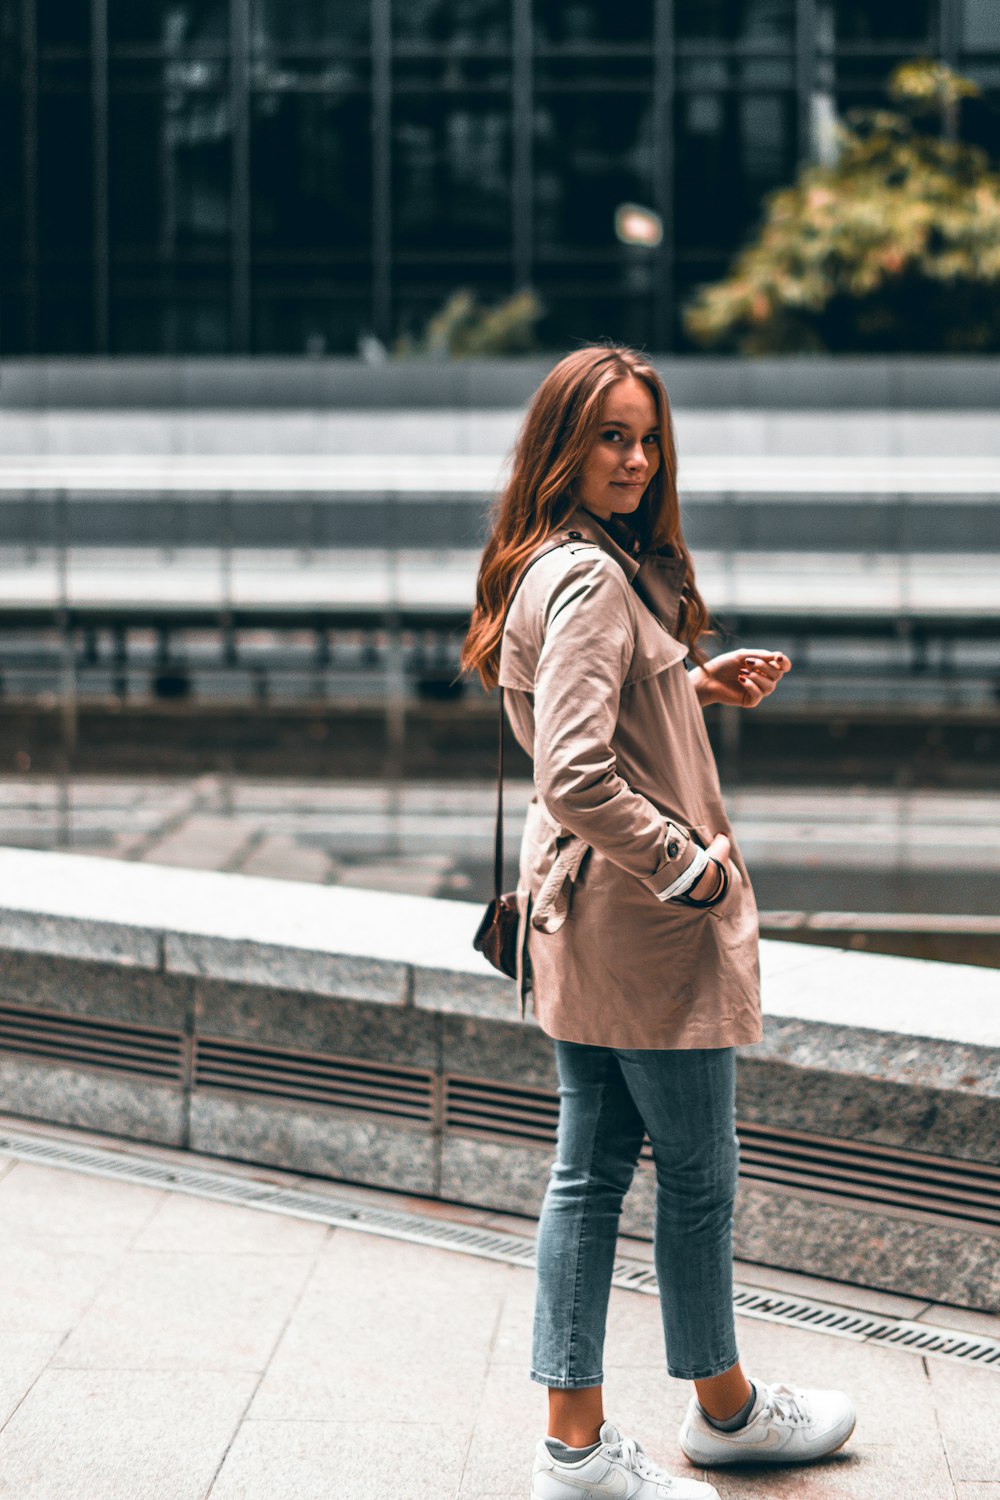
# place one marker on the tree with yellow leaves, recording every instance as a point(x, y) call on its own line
point(894, 248)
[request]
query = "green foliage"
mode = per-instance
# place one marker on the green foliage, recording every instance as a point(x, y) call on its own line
point(462, 327)
point(896, 247)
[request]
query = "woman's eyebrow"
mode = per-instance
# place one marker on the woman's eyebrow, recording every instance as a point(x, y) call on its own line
point(617, 422)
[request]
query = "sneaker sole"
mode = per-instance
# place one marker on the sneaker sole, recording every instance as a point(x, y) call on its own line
point(763, 1458)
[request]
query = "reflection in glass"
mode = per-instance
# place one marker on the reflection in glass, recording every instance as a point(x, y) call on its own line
point(65, 176)
point(565, 22)
point(310, 171)
point(590, 156)
point(451, 171)
point(169, 153)
point(60, 25)
point(452, 23)
point(293, 25)
point(857, 21)
point(752, 21)
point(745, 141)
point(166, 23)
point(293, 320)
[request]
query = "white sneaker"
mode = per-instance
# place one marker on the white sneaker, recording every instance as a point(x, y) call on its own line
point(786, 1426)
point(619, 1468)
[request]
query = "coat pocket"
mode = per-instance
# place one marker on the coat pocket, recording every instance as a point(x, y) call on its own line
point(552, 904)
point(703, 835)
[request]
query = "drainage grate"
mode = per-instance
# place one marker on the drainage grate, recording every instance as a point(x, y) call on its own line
point(513, 1249)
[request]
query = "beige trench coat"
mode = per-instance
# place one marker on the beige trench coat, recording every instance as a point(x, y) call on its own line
point(596, 691)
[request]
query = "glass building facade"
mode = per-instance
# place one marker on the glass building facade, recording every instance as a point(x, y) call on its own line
point(284, 176)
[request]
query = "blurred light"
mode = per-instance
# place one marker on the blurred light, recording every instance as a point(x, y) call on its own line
point(635, 225)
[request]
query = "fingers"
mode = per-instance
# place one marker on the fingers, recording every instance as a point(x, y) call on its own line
point(719, 847)
point(772, 663)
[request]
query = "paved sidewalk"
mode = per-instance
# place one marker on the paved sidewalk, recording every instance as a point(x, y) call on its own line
point(160, 1346)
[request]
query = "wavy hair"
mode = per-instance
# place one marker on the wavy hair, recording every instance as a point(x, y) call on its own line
point(559, 429)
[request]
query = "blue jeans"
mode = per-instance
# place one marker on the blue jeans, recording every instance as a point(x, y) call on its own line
point(608, 1097)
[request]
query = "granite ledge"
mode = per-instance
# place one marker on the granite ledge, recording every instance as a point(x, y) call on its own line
point(823, 1006)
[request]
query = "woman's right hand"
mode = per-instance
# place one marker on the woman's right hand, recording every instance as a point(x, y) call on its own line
point(708, 881)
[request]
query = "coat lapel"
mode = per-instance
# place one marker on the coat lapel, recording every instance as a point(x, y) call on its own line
point(658, 580)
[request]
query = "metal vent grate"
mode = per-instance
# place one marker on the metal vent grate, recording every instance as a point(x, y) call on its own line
point(872, 1175)
point(880, 1176)
point(513, 1249)
point(477, 1104)
point(98, 1044)
point(315, 1078)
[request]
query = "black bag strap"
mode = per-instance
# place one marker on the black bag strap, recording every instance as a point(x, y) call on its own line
point(498, 834)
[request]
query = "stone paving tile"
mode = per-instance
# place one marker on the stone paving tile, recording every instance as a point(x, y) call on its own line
point(970, 1490)
point(26, 1352)
point(962, 1319)
point(367, 1353)
point(45, 1201)
point(187, 1311)
point(121, 1434)
point(967, 1404)
point(348, 1460)
point(49, 1286)
point(183, 1223)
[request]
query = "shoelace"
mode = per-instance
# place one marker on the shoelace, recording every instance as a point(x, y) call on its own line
point(785, 1401)
point(634, 1457)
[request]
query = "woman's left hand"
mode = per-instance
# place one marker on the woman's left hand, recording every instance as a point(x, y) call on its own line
point(745, 677)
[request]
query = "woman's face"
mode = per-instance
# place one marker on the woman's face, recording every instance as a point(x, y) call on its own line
point(626, 453)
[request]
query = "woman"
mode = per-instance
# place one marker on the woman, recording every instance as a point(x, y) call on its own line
point(638, 926)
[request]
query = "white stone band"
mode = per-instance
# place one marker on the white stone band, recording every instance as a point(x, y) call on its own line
point(688, 878)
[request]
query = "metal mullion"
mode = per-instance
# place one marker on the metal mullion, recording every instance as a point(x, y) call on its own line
point(805, 75)
point(664, 87)
point(381, 95)
point(29, 118)
point(949, 29)
point(99, 158)
point(239, 100)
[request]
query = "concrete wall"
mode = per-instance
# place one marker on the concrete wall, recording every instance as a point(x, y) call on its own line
point(358, 1036)
point(798, 382)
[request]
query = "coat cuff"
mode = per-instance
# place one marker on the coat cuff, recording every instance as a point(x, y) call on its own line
point(679, 850)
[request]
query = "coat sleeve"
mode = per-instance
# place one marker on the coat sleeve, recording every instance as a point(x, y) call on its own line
point(585, 655)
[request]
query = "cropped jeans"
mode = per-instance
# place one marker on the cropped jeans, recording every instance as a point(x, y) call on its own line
point(685, 1100)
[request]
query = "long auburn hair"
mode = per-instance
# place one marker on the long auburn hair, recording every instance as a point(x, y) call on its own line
point(556, 436)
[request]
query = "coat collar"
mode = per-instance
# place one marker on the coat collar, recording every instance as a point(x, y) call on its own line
point(657, 579)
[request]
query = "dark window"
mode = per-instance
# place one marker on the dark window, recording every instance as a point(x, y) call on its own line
point(169, 153)
point(731, 148)
point(591, 154)
point(293, 25)
point(59, 24)
point(65, 186)
point(451, 172)
point(172, 25)
point(569, 22)
point(290, 320)
point(310, 172)
point(452, 23)
point(859, 21)
point(761, 22)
